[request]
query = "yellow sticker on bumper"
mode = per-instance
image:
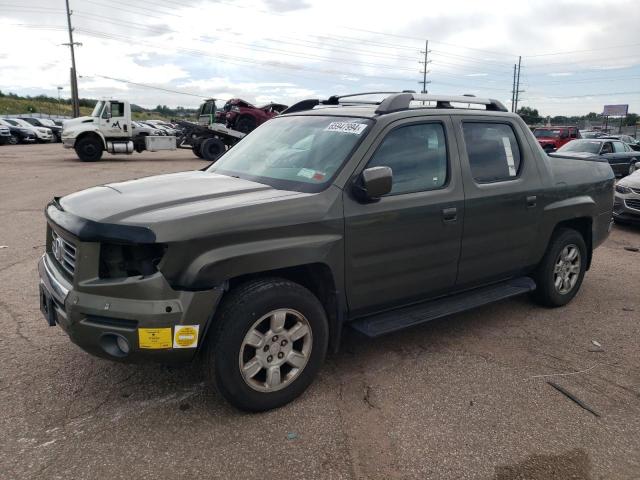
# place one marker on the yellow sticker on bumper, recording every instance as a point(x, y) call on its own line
point(186, 336)
point(154, 338)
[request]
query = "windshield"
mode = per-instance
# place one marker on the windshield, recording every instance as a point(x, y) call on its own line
point(97, 109)
point(300, 153)
point(47, 122)
point(13, 123)
point(22, 123)
point(589, 146)
point(545, 132)
point(590, 134)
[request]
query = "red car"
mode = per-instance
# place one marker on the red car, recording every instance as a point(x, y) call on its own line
point(244, 117)
point(552, 138)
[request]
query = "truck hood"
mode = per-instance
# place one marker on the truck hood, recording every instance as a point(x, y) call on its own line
point(152, 200)
point(73, 123)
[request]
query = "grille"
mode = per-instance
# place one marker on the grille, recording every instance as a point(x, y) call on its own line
point(633, 203)
point(64, 252)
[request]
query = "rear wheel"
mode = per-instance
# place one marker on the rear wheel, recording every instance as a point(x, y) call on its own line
point(89, 149)
point(267, 344)
point(559, 275)
point(211, 149)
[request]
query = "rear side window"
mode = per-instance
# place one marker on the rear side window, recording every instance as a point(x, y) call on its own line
point(417, 156)
point(618, 147)
point(493, 151)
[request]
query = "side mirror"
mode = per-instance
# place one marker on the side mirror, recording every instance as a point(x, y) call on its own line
point(374, 183)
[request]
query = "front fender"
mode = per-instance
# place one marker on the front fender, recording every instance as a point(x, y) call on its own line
point(215, 266)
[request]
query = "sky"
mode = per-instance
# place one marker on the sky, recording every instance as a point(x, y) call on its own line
point(576, 55)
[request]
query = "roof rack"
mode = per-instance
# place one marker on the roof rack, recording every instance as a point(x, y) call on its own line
point(397, 101)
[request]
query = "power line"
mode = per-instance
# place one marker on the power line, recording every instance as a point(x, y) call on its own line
point(567, 52)
point(144, 85)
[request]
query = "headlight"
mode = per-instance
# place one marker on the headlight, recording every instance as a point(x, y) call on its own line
point(119, 261)
point(623, 189)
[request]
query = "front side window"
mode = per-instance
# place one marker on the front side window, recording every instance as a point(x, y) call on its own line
point(417, 156)
point(618, 147)
point(301, 153)
point(117, 109)
point(606, 148)
point(493, 151)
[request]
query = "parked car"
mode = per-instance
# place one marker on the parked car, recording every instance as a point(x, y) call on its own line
point(240, 115)
point(46, 123)
point(379, 216)
point(552, 138)
point(628, 139)
point(19, 134)
point(626, 205)
point(156, 128)
point(5, 135)
point(168, 128)
point(43, 135)
point(142, 129)
point(590, 134)
point(623, 160)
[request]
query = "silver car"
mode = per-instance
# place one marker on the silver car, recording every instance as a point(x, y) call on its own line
point(626, 205)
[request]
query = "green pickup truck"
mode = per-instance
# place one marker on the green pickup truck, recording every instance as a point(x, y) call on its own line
point(368, 212)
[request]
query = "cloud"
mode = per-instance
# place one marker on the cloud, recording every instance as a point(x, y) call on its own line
point(286, 5)
point(560, 74)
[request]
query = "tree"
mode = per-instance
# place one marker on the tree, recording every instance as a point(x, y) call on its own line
point(529, 115)
point(632, 119)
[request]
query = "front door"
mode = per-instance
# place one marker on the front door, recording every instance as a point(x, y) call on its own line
point(405, 247)
point(502, 209)
point(114, 120)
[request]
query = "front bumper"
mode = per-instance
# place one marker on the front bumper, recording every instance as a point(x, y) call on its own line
point(68, 142)
point(95, 312)
point(626, 208)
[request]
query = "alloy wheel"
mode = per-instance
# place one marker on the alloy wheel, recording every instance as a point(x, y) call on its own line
point(567, 269)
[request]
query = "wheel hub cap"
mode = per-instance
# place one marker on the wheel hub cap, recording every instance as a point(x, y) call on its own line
point(567, 269)
point(275, 350)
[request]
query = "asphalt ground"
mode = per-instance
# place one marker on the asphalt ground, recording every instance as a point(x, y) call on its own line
point(460, 398)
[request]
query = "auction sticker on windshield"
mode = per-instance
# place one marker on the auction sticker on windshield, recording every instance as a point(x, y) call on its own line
point(346, 127)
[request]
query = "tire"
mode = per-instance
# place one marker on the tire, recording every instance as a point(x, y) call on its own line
point(211, 149)
point(556, 265)
point(196, 148)
point(14, 140)
point(245, 124)
point(89, 149)
point(252, 307)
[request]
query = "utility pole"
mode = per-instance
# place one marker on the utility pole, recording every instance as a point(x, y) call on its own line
point(74, 78)
point(518, 91)
point(424, 63)
point(513, 89)
point(59, 111)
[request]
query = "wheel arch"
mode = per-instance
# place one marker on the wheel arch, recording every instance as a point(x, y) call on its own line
point(92, 133)
point(584, 226)
point(318, 278)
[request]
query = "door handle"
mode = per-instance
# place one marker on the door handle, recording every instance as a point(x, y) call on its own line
point(449, 214)
point(531, 201)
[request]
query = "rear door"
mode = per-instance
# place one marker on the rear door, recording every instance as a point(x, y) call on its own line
point(502, 212)
point(405, 247)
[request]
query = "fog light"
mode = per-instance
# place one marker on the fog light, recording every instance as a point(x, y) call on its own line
point(115, 345)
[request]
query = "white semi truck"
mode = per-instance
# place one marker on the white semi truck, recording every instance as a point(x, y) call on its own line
point(109, 129)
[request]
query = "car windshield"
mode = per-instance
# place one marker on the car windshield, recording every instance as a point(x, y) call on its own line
point(300, 153)
point(9, 122)
point(588, 146)
point(47, 122)
point(545, 132)
point(590, 134)
point(97, 109)
point(22, 123)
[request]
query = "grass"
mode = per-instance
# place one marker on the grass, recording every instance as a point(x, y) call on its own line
point(26, 106)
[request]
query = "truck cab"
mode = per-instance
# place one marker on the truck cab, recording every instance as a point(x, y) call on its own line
point(108, 128)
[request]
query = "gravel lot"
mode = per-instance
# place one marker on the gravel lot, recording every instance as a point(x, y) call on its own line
point(460, 398)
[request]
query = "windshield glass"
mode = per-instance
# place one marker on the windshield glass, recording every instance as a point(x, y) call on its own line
point(300, 153)
point(590, 134)
point(11, 122)
point(97, 109)
point(22, 123)
point(545, 132)
point(47, 122)
point(589, 146)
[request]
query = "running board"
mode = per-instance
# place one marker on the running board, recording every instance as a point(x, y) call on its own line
point(393, 320)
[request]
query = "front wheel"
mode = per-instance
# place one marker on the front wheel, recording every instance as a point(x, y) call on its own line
point(267, 344)
point(89, 149)
point(560, 273)
point(13, 140)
